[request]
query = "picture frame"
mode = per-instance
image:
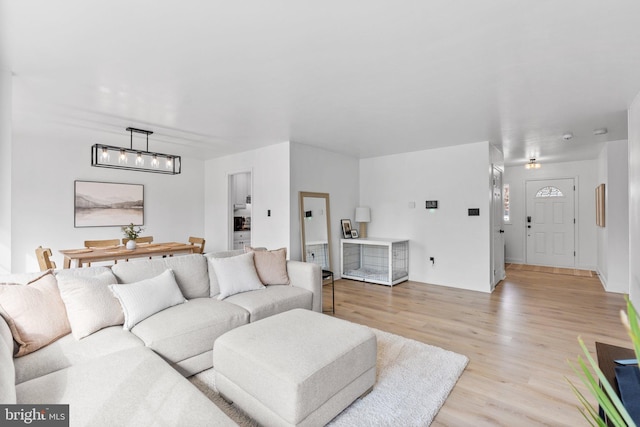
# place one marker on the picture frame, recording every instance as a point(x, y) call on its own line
point(354, 234)
point(345, 224)
point(107, 204)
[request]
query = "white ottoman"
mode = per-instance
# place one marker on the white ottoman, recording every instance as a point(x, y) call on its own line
point(297, 368)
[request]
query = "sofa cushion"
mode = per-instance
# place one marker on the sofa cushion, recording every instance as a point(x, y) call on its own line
point(34, 312)
point(90, 303)
point(190, 272)
point(270, 265)
point(213, 279)
point(142, 299)
point(82, 272)
point(7, 368)
point(68, 351)
point(133, 387)
point(272, 300)
point(189, 329)
point(236, 274)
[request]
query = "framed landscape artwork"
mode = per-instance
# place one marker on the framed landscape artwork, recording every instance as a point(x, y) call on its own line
point(108, 204)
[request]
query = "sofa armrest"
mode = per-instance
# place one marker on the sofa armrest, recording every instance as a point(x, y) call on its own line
point(7, 368)
point(308, 276)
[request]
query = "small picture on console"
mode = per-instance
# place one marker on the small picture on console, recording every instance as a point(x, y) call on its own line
point(346, 228)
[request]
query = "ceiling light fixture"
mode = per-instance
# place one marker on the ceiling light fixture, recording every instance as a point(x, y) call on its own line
point(107, 156)
point(567, 136)
point(600, 131)
point(532, 164)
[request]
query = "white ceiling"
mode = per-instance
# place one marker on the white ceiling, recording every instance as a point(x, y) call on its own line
point(366, 78)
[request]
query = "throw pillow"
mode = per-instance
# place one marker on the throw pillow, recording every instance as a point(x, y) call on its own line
point(214, 288)
point(142, 299)
point(90, 303)
point(270, 265)
point(34, 312)
point(236, 274)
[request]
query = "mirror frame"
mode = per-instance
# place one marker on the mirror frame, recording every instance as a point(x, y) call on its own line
point(324, 196)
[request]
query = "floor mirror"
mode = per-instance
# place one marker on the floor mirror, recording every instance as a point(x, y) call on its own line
point(315, 228)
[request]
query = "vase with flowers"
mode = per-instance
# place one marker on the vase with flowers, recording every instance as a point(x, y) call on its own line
point(132, 232)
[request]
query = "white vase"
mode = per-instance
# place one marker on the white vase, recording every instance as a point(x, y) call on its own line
point(131, 244)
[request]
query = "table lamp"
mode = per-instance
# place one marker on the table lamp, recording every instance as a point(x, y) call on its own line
point(363, 216)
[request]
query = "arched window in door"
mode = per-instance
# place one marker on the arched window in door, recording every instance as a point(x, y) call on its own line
point(549, 191)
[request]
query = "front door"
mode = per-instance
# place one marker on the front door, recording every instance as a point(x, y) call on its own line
point(550, 222)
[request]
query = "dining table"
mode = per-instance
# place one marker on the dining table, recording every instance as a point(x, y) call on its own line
point(85, 256)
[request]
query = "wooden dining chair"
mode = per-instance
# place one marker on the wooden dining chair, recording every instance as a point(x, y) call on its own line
point(197, 241)
point(100, 244)
point(44, 258)
point(145, 239)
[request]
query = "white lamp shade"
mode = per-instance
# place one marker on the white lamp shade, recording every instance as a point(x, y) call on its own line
point(363, 214)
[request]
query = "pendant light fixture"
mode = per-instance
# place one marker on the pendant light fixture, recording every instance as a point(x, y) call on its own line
point(108, 156)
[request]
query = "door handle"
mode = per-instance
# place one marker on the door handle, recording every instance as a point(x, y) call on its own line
point(501, 231)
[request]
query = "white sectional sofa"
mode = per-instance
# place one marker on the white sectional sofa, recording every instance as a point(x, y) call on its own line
point(118, 377)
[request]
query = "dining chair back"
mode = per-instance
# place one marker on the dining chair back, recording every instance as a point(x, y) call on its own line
point(197, 241)
point(101, 243)
point(145, 239)
point(44, 258)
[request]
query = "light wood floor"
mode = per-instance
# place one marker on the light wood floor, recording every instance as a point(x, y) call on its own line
point(518, 339)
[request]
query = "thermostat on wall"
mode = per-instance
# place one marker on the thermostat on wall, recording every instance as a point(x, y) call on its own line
point(431, 204)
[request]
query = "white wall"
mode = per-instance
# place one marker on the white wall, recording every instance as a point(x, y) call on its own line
point(585, 174)
point(634, 201)
point(269, 169)
point(613, 239)
point(322, 171)
point(603, 232)
point(47, 159)
point(458, 178)
point(5, 170)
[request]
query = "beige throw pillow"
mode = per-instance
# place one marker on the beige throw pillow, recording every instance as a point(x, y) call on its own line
point(35, 313)
point(270, 265)
point(90, 303)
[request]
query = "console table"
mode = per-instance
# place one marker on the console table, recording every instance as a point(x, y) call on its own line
point(375, 260)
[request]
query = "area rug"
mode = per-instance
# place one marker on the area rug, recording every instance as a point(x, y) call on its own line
point(413, 382)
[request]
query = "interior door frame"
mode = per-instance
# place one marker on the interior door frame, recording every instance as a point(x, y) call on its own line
point(576, 214)
point(231, 201)
point(496, 276)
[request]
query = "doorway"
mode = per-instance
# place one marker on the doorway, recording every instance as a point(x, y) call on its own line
point(240, 197)
point(550, 222)
point(497, 229)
